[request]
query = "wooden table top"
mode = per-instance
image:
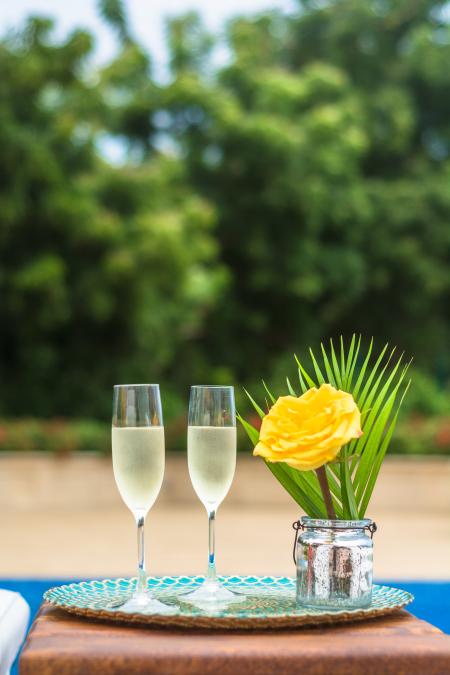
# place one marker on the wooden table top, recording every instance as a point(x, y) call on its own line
point(61, 644)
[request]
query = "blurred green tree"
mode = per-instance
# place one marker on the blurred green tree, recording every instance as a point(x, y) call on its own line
point(324, 146)
point(295, 191)
point(104, 271)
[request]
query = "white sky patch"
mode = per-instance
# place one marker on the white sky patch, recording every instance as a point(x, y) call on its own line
point(147, 18)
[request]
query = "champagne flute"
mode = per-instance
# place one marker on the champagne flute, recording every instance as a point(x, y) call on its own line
point(211, 462)
point(138, 464)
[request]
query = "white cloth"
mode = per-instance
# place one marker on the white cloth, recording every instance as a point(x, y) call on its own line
point(14, 617)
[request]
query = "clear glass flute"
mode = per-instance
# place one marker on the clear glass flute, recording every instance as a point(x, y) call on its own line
point(138, 454)
point(212, 462)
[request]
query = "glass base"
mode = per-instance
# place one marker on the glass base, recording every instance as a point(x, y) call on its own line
point(143, 603)
point(211, 594)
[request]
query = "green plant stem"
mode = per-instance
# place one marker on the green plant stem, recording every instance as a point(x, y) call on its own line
point(322, 476)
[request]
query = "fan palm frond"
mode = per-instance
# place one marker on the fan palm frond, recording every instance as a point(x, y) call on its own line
point(378, 384)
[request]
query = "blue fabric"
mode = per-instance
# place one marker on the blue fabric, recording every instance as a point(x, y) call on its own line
point(432, 599)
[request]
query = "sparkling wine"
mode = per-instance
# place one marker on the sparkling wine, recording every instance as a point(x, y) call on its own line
point(211, 461)
point(138, 463)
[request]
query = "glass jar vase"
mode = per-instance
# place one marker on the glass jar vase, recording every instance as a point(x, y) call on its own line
point(334, 562)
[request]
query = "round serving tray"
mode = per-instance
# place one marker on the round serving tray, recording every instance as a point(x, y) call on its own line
point(267, 603)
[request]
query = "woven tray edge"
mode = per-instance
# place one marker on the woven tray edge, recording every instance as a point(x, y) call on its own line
point(226, 623)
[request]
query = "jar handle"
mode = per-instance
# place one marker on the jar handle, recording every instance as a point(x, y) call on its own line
point(372, 528)
point(297, 525)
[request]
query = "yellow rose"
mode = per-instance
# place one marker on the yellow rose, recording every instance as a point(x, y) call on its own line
point(309, 431)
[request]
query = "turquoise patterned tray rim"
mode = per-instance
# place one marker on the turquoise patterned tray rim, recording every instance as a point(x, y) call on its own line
point(267, 602)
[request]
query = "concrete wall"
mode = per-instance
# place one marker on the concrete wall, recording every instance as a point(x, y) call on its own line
point(31, 481)
point(65, 518)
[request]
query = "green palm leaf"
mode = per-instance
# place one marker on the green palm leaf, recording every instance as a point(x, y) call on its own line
point(250, 430)
point(334, 361)
point(352, 360)
point(298, 488)
point(303, 386)
point(379, 415)
point(303, 372)
point(350, 507)
point(290, 387)
point(362, 372)
point(259, 410)
point(320, 377)
point(379, 458)
point(326, 363)
point(269, 394)
point(375, 381)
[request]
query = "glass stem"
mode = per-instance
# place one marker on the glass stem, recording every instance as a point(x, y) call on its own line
point(212, 574)
point(141, 585)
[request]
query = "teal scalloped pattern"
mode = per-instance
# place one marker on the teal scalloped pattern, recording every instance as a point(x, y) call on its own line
point(263, 598)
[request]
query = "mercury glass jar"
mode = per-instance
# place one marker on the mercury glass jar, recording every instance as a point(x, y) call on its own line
point(334, 562)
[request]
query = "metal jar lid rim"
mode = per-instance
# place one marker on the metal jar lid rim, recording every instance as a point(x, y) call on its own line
point(335, 524)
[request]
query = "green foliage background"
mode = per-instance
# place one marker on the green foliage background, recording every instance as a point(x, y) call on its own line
point(297, 192)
